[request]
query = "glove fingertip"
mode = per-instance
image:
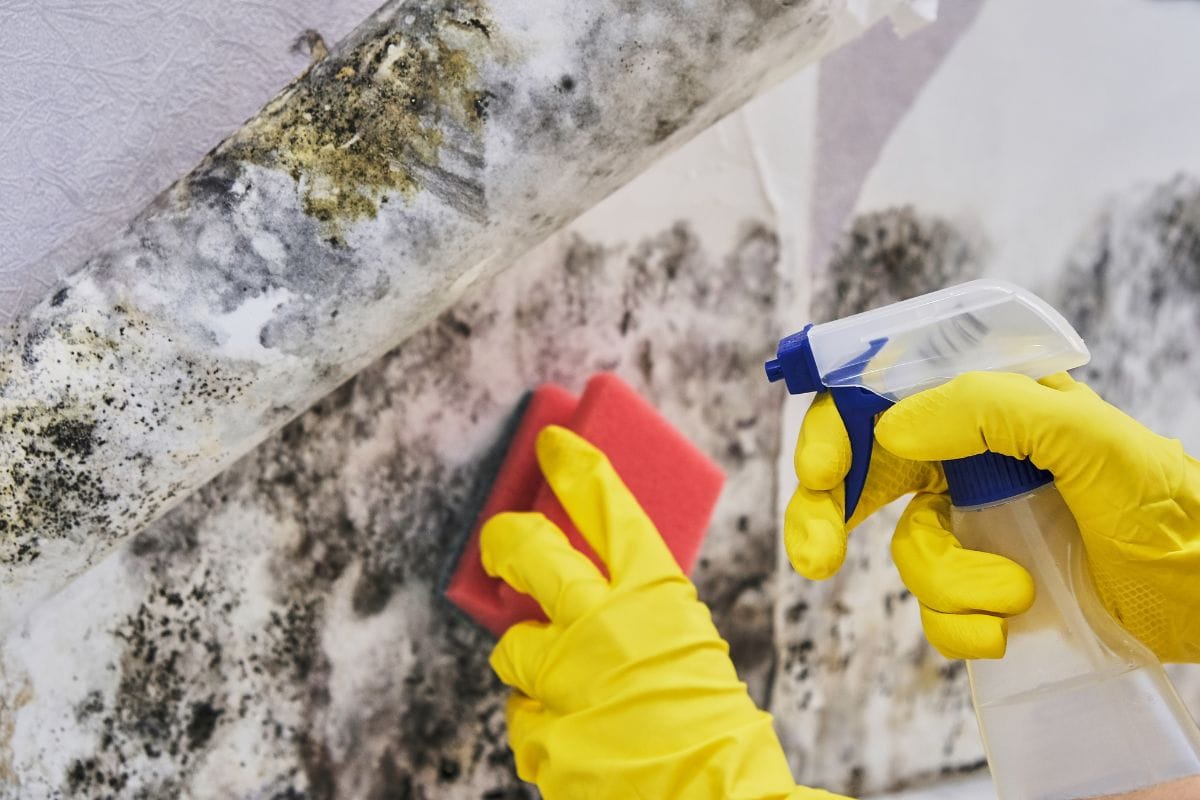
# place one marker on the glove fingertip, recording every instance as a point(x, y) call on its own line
point(965, 636)
point(501, 663)
point(1018, 590)
point(523, 716)
point(1059, 381)
point(816, 548)
point(819, 466)
point(941, 423)
point(560, 450)
point(899, 434)
point(496, 538)
point(994, 642)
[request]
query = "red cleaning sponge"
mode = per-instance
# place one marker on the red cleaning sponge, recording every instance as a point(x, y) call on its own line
point(675, 483)
point(491, 602)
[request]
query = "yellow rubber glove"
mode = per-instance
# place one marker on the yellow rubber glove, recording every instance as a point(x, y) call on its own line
point(628, 692)
point(964, 595)
point(1135, 494)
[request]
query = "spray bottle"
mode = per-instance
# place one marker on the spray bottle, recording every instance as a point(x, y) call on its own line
point(1077, 707)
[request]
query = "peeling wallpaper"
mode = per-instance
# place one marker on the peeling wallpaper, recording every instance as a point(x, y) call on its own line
point(301, 248)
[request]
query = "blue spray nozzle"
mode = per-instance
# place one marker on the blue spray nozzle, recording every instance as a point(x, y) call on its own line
point(795, 364)
point(858, 408)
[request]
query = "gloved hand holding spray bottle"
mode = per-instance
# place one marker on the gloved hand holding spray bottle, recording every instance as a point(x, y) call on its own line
point(1077, 706)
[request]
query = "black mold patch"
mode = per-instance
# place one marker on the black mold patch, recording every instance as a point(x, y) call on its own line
point(72, 436)
point(1132, 290)
point(406, 535)
point(319, 769)
point(355, 508)
point(169, 651)
point(50, 488)
point(203, 722)
point(892, 255)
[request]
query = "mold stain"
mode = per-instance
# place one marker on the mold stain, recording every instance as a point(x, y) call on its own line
point(51, 489)
point(891, 255)
point(372, 120)
point(9, 706)
point(355, 508)
point(1130, 287)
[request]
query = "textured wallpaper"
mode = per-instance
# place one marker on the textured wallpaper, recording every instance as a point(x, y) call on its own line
point(104, 103)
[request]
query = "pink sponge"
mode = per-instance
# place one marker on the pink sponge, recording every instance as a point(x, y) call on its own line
point(491, 602)
point(675, 483)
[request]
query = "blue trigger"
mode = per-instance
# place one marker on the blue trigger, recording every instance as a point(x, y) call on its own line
point(794, 363)
point(858, 408)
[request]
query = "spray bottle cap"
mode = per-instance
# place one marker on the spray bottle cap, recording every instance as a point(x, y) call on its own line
point(991, 477)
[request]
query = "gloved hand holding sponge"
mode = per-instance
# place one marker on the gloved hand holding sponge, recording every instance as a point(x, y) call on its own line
point(628, 691)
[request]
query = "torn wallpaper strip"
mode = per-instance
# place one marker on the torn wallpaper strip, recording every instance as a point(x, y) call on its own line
point(432, 146)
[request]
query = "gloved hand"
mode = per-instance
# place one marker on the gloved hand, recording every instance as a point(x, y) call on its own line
point(628, 691)
point(964, 595)
point(1134, 494)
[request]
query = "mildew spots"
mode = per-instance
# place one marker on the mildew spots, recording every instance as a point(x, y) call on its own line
point(52, 488)
point(287, 611)
point(1131, 288)
point(373, 119)
point(892, 255)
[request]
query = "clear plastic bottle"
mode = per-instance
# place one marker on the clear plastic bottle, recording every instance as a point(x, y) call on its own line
point(1077, 707)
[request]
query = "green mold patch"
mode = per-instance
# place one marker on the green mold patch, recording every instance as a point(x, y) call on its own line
point(369, 120)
